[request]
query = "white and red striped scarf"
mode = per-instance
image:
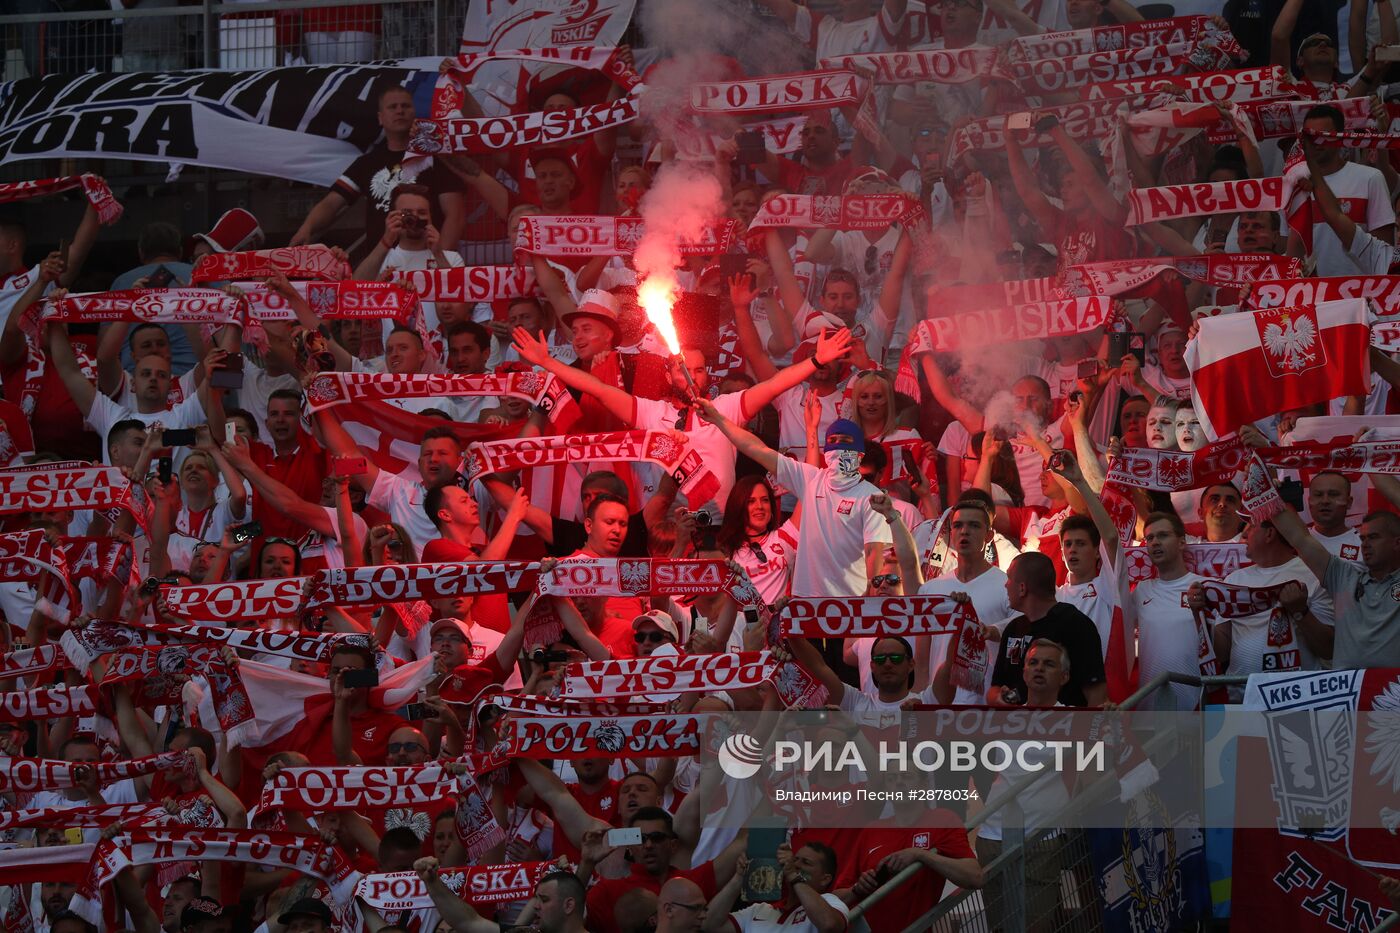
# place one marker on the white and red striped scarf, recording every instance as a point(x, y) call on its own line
point(1279, 119)
point(100, 638)
point(1173, 202)
point(646, 576)
point(862, 616)
point(780, 134)
point(691, 673)
point(469, 283)
point(836, 212)
point(806, 90)
point(1116, 276)
point(1089, 119)
point(542, 390)
point(1382, 290)
point(1140, 34)
point(47, 703)
point(1233, 601)
point(45, 863)
point(155, 305)
point(1208, 560)
point(1034, 321)
point(485, 884)
point(1056, 75)
point(917, 66)
point(477, 827)
point(682, 461)
point(1228, 461)
point(131, 813)
point(660, 736)
point(95, 189)
point(30, 661)
point(68, 486)
point(376, 585)
point(1358, 139)
point(31, 775)
point(605, 235)
point(295, 262)
point(314, 790)
point(1238, 84)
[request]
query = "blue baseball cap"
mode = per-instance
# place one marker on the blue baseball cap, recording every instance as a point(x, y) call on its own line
point(844, 434)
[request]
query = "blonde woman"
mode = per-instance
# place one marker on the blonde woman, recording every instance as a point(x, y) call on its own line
point(873, 406)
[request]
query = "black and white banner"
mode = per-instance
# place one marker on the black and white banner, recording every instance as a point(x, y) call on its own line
point(303, 123)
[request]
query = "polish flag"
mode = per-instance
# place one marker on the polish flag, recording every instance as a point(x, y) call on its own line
point(1248, 366)
point(391, 437)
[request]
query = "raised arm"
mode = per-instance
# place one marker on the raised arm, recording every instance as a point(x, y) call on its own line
point(12, 345)
point(1086, 173)
point(83, 239)
point(1280, 44)
point(805, 653)
point(969, 417)
point(509, 648)
point(568, 813)
point(484, 183)
point(63, 359)
point(321, 216)
point(1027, 187)
point(831, 346)
point(1294, 531)
point(458, 914)
point(278, 495)
point(746, 442)
point(756, 355)
point(341, 444)
point(535, 350)
point(904, 548)
point(789, 289)
point(1068, 468)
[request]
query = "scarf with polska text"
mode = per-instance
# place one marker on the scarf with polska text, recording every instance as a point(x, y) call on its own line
point(27, 662)
point(31, 775)
point(309, 855)
point(1211, 87)
point(371, 301)
point(606, 235)
point(647, 576)
point(1341, 456)
point(156, 676)
point(1280, 119)
point(150, 305)
point(376, 585)
point(542, 390)
point(1205, 559)
point(469, 283)
point(836, 212)
point(664, 735)
point(1230, 601)
point(823, 89)
point(106, 815)
point(1227, 461)
point(1167, 128)
point(100, 559)
point(1356, 139)
point(1082, 120)
point(688, 673)
point(47, 703)
point(1144, 33)
point(1382, 290)
point(882, 616)
point(1055, 75)
point(1173, 202)
point(1033, 321)
point(919, 66)
point(295, 262)
point(69, 485)
point(314, 789)
point(476, 825)
point(1116, 276)
point(502, 883)
point(682, 461)
point(109, 209)
point(236, 600)
point(29, 557)
point(103, 637)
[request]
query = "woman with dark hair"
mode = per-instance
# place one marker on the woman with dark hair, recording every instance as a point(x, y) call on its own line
point(752, 536)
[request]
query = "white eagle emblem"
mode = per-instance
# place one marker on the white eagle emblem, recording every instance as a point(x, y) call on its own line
point(416, 820)
point(322, 388)
point(609, 737)
point(634, 575)
point(1384, 744)
point(663, 447)
point(629, 233)
point(323, 297)
point(1290, 341)
point(826, 210)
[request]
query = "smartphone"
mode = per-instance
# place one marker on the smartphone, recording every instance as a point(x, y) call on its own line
point(226, 378)
point(230, 431)
point(752, 148)
point(242, 534)
point(1088, 369)
point(1137, 346)
point(1019, 121)
point(177, 437)
point(160, 277)
point(627, 836)
point(165, 468)
point(349, 466)
point(732, 264)
point(418, 712)
point(365, 678)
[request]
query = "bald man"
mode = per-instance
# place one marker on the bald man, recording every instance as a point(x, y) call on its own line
point(407, 746)
point(680, 908)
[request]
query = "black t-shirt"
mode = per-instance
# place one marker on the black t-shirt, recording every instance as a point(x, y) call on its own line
point(1066, 625)
point(375, 175)
point(570, 537)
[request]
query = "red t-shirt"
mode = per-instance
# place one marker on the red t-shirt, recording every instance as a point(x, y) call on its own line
point(844, 841)
point(300, 471)
point(491, 610)
point(918, 895)
point(1088, 236)
point(369, 730)
point(601, 803)
point(590, 168)
point(604, 894)
point(800, 178)
point(58, 425)
point(467, 681)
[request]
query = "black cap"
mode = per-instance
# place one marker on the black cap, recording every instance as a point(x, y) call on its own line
point(198, 910)
point(307, 907)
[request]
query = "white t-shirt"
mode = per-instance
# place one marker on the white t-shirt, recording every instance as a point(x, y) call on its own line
point(763, 918)
point(105, 413)
point(413, 260)
point(1346, 545)
point(1250, 651)
point(1096, 599)
point(988, 593)
point(185, 386)
point(706, 439)
point(792, 433)
point(1364, 196)
point(771, 571)
point(955, 442)
point(837, 524)
point(831, 38)
point(1167, 639)
point(402, 499)
point(331, 549)
point(1039, 802)
point(121, 792)
point(866, 707)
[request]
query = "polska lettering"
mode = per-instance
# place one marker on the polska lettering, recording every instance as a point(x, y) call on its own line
point(611, 576)
point(469, 283)
point(295, 262)
point(666, 674)
point(154, 305)
point(854, 212)
point(1384, 290)
point(542, 128)
point(355, 788)
point(659, 736)
point(1101, 38)
point(1168, 202)
point(800, 91)
point(66, 488)
point(858, 616)
point(590, 235)
point(398, 583)
point(938, 66)
point(542, 390)
point(1022, 322)
point(486, 884)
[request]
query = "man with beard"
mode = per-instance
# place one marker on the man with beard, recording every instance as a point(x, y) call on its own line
point(558, 904)
point(1168, 637)
point(678, 411)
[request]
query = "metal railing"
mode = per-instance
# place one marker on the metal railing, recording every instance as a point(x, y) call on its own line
point(1076, 911)
point(41, 39)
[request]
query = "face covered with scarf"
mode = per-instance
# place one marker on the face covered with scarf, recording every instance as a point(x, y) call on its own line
point(844, 447)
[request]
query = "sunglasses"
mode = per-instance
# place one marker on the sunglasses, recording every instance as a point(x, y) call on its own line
point(896, 658)
point(396, 747)
point(871, 254)
point(655, 638)
point(885, 578)
point(758, 551)
point(673, 906)
point(657, 838)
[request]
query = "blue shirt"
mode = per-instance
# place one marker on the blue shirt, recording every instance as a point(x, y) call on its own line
point(182, 356)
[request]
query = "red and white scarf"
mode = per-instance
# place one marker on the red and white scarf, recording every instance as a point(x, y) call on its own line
point(397, 583)
point(154, 305)
point(1116, 276)
point(1090, 119)
point(240, 600)
point(652, 576)
point(31, 775)
point(691, 673)
point(1227, 461)
point(485, 884)
point(917, 66)
point(660, 736)
point(100, 638)
point(603, 235)
point(314, 790)
point(309, 855)
point(27, 556)
point(1211, 87)
point(780, 134)
point(1233, 601)
point(863, 616)
point(101, 559)
point(682, 461)
point(1382, 290)
point(95, 189)
point(1034, 321)
point(295, 262)
point(332, 300)
point(1056, 75)
point(1209, 560)
point(68, 486)
point(1279, 119)
point(1172, 202)
point(45, 863)
point(806, 90)
point(1361, 139)
point(1311, 456)
point(1141, 34)
point(47, 703)
point(836, 212)
point(131, 813)
point(541, 390)
point(469, 283)
point(30, 661)
point(477, 827)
